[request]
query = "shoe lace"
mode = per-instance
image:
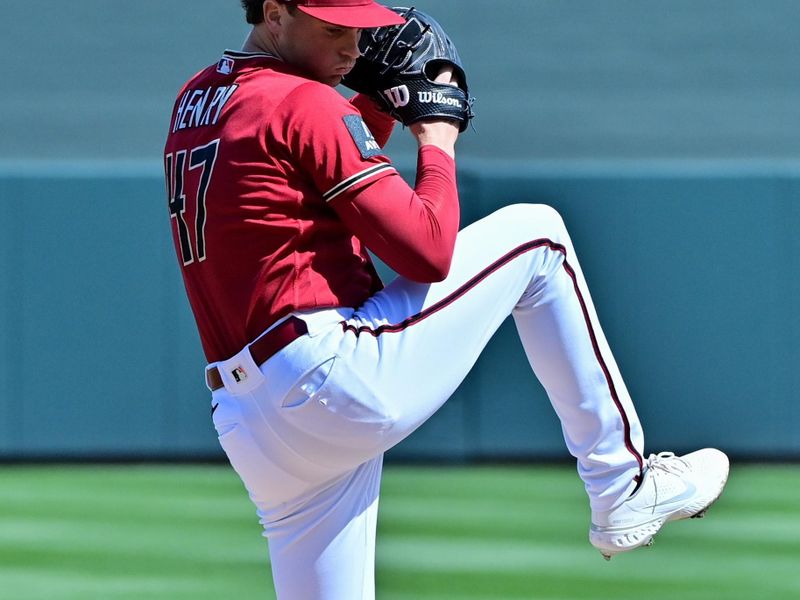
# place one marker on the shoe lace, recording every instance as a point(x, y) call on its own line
point(667, 461)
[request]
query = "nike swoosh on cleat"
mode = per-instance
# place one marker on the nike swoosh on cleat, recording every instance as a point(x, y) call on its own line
point(213, 408)
point(690, 491)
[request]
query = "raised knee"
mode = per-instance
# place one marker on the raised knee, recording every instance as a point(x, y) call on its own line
point(540, 217)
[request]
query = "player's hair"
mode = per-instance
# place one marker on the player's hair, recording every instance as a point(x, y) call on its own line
point(254, 10)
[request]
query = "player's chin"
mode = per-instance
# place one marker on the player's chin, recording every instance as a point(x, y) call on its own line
point(329, 76)
point(331, 80)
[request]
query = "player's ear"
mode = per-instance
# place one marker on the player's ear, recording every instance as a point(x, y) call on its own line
point(272, 14)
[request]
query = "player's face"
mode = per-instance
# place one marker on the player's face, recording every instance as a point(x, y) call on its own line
point(325, 52)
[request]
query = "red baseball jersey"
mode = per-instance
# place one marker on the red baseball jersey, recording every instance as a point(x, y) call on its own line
point(261, 166)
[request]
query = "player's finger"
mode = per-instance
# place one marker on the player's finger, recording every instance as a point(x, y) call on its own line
point(447, 76)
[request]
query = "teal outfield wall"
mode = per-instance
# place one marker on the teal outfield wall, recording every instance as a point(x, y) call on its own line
point(694, 270)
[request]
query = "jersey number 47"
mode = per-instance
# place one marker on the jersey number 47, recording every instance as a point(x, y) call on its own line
point(175, 168)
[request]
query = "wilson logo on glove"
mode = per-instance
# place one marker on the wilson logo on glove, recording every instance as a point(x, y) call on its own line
point(438, 98)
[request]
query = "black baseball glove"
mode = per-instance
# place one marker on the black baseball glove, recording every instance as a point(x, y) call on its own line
point(398, 65)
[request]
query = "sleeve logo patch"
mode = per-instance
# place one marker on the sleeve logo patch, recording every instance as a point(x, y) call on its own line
point(362, 136)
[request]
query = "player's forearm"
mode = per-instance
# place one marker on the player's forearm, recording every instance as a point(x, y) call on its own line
point(437, 191)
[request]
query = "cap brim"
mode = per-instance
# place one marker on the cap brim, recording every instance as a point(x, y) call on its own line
point(363, 17)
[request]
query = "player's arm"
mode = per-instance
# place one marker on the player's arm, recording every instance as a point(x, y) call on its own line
point(415, 232)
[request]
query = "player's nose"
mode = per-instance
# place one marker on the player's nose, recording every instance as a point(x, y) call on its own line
point(350, 44)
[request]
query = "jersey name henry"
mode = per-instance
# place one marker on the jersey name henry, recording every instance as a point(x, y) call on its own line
point(201, 107)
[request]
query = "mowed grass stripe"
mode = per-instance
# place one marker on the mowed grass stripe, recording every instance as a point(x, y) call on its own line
point(175, 532)
point(686, 564)
point(127, 532)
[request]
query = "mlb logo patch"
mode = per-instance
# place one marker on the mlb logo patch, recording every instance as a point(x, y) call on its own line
point(239, 374)
point(225, 66)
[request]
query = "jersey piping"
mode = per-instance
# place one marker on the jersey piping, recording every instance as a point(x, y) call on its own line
point(355, 179)
point(240, 54)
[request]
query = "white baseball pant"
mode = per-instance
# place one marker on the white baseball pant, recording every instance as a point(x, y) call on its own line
point(307, 430)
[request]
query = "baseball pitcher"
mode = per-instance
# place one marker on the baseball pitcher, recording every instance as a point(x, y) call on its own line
point(277, 186)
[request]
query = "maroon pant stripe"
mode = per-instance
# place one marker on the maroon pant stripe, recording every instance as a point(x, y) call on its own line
point(474, 281)
point(609, 381)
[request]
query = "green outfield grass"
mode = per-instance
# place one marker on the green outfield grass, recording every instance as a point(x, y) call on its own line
point(487, 533)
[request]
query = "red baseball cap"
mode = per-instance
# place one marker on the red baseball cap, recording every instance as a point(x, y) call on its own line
point(349, 13)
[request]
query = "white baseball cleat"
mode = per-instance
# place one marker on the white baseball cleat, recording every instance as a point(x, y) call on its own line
point(674, 488)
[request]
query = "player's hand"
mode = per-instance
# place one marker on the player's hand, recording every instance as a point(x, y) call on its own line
point(442, 133)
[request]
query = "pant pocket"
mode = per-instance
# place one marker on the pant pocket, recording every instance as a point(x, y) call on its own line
point(337, 415)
